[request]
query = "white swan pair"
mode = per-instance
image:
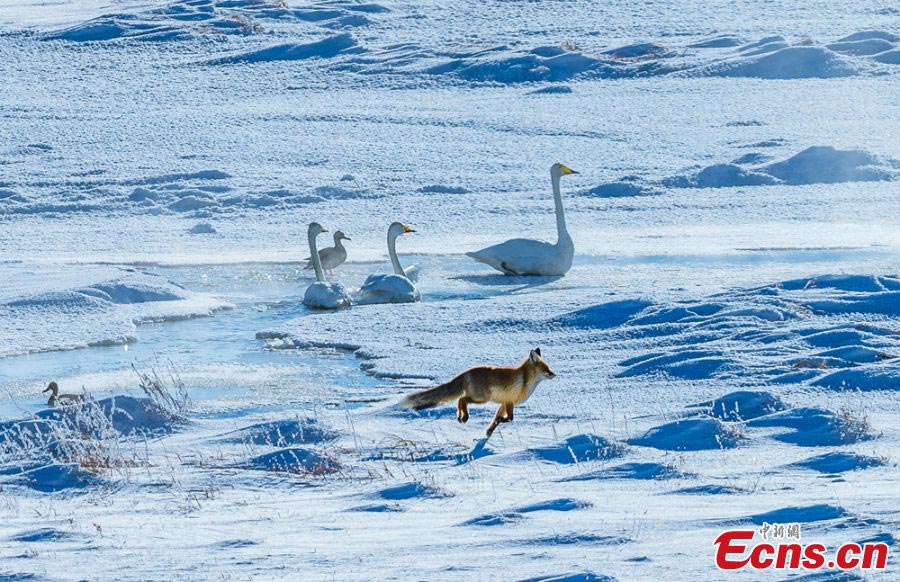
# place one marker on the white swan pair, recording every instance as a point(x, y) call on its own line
point(522, 256)
point(322, 294)
point(393, 288)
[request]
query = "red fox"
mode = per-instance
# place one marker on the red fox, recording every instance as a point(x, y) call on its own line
point(507, 386)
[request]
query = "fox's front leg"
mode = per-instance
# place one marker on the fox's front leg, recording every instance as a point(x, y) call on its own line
point(504, 414)
point(462, 409)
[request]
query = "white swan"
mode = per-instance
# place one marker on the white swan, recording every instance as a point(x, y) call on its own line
point(331, 257)
point(394, 288)
point(522, 256)
point(322, 294)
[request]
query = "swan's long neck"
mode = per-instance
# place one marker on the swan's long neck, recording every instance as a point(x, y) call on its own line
point(392, 252)
point(561, 231)
point(314, 255)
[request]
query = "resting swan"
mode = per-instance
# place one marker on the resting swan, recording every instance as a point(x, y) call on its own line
point(331, 257)
point(395, 288)
point(522, 256)
point(321, 294)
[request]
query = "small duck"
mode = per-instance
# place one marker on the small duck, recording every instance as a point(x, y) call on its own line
point(57, 399)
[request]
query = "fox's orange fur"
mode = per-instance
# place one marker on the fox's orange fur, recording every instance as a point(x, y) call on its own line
point(507, 386)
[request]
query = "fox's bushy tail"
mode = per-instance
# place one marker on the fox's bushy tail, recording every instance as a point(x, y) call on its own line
point(433, 396)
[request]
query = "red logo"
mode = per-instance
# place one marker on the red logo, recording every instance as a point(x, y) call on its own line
point(735, 551)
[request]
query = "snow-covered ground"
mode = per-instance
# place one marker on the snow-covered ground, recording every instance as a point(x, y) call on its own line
point(726, 342)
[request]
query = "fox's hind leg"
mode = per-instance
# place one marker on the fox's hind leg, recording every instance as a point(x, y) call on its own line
point(462, 409)
point(509, 412)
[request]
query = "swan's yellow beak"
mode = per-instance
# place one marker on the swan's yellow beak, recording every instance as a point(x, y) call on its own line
point(323, 229)
point(407, 229)
point(567, 170)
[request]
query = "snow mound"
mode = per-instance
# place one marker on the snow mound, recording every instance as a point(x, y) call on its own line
point(503, 65)
point(338, 193)
point(552, 90)
point(696, 434)
point(24, 435)
point(742, 405)
point(833, 463)
point(623, 188)
point(44, 534)
point(57, 477)
point(723, 176)
point(126, 414)
point(862, 47)
point(891, 57)
point(725, 41)
point(576, 538)
point(202, 228)
point(183, 20)
point(711, 490)
point(411, 490)
point(862, 379)
point(815, 427)
point(283, 433)
point(827, 165)
point(787, 62)
point(858, 283)
point(578, 449)
point(605, 315)
point(441, 189)
point(518, 514)
point(686, 364)
point(640, 471)
point(104, 313)
point(479, 451)
point(870, 35)
point(324, 49)
point(119, 26)
point(294, 460)
point(814, 165)
point(69, 447)
point(378, 508)
point(805, 514)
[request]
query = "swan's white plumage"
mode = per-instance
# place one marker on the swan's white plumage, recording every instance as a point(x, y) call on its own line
point(522, 256)
point(388, 289)
point(322, 294)
point(412, 272)
point(393, 288)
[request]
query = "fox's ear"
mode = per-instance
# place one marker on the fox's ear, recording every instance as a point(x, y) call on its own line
point(535, 355)
point(537, 351)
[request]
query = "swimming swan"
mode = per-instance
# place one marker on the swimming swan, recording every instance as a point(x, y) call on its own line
point(522, 256)
point(331, 257)
point(321, 294)
point(394, 288)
